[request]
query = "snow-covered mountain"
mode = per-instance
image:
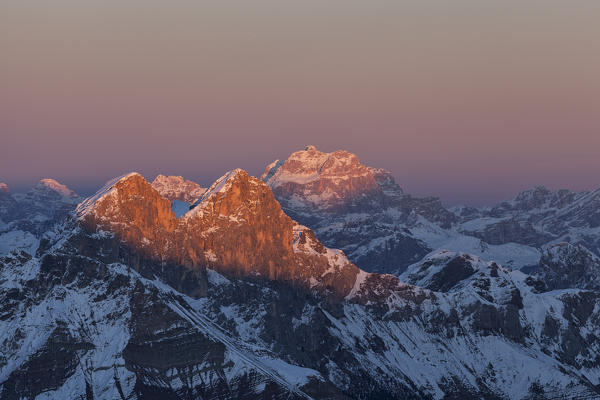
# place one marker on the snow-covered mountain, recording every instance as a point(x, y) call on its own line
point(171, 291)
point(234, 299)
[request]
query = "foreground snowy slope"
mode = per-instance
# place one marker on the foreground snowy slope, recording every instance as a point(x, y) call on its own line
point(252, 305)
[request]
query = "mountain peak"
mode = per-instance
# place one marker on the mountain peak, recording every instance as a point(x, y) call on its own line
point(232, 179)
point(315, 179)
point(130, 208)
point(4, 188)
point(109, 189)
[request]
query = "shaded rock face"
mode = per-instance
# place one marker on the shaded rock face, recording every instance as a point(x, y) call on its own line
point(8, 205)
point(512, 231)
point(122, 335)
point(565, 266)
point(48, 368)
point(85, 328)
point(535, 199)
point(177, 188)
point(455, 271)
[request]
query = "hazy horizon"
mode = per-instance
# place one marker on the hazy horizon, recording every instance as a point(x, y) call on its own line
point(470, 101)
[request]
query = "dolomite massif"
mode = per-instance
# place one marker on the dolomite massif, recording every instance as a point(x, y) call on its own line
point(166, 290)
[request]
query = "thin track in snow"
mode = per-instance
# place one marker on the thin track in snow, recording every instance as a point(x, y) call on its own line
point(215, 332)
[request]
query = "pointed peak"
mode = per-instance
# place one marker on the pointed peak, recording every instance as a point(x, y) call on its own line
point(130, 177)
point(310, 147)
point(222, 184)
point(109, 189)
point(229, 177)
point(237, 172)
point(237, 182)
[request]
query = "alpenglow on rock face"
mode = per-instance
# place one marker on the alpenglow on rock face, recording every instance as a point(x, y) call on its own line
point(237, 227)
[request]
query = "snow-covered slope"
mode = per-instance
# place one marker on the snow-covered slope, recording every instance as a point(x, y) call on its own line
point(79, 321)
point(140, 295)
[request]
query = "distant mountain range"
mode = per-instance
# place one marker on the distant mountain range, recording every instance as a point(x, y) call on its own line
point(167, 290)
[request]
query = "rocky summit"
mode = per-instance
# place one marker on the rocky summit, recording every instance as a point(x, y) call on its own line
point(166, 290)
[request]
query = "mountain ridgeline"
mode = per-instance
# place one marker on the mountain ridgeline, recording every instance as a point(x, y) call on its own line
point(167, 290)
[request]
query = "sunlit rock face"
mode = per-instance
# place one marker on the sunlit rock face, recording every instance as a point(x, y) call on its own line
point(237, 228)
point(133, 210)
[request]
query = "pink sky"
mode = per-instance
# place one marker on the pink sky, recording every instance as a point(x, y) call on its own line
point(469, 100)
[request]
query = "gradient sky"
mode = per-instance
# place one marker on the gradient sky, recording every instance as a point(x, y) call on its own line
point(469, 100)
